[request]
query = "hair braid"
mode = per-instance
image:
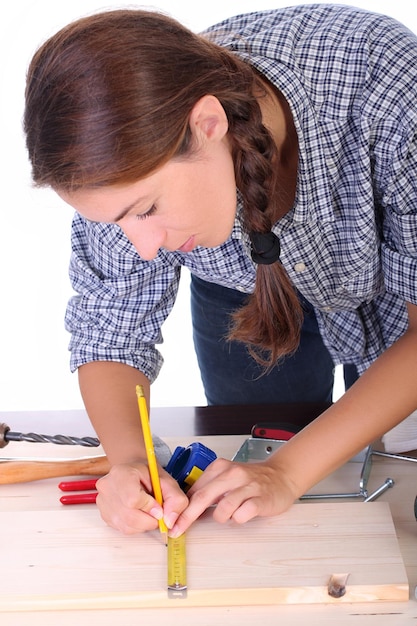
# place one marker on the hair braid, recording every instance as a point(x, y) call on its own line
point(272, 318)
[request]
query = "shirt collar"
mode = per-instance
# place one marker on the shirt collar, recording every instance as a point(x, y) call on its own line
point(313, 197)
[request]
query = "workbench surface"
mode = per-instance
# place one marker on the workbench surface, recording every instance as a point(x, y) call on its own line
point(42, 496)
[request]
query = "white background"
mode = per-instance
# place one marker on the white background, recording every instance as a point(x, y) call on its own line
point(35, 225)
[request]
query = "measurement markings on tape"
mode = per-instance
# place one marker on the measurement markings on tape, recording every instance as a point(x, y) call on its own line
point(177, 568)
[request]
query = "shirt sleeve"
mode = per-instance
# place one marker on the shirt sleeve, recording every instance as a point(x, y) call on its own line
point(120, 301)
point(399, 244)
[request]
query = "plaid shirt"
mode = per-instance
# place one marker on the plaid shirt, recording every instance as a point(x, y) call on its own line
point(349, 244)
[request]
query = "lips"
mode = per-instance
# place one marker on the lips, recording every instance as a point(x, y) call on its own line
point(188, 245)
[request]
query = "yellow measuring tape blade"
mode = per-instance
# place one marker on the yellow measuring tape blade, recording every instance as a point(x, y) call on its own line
point(177, 569)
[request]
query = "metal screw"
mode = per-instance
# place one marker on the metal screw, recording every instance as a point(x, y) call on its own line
point(384, 487)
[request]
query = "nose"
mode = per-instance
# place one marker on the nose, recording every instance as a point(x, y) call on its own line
point(146, 241)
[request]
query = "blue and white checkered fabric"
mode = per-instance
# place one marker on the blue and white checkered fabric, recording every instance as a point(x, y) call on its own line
point(350, 242)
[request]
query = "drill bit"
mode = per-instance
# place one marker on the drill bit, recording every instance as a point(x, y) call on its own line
point(7, 435)
point(162, 450)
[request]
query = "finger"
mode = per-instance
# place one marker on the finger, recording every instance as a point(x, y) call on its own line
point(212, 472)
point(247, 510)
point(124, 499)
point(241, 491)
point(175, 500)
point(126, 485)
point(123, 502)
point(128, 521)
point(220, 479)
point(252, 500)
point(239, 505)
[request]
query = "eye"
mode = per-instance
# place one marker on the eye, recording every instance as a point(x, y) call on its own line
point(148, 213)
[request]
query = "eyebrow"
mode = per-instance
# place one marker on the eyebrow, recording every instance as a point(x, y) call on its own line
point(126, 210)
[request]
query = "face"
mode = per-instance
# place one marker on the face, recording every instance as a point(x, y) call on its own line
point(184, 204)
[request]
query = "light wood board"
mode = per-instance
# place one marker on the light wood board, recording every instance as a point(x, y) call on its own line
point(68, 559)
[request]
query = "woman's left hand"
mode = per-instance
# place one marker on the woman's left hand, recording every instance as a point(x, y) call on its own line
point(241, 492)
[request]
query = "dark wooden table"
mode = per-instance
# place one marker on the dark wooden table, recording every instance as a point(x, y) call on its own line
point(229, 420)
point(185, 421)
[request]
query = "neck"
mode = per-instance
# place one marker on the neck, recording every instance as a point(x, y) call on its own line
point(278, 120)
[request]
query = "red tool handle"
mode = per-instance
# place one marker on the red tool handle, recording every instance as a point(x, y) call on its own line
point(275, 430)
point(80, 498)
point(78, 485)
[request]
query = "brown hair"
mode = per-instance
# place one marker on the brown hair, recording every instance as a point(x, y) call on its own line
point(108, 100)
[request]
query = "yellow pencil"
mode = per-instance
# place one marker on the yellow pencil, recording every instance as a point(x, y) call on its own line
point(150, 453)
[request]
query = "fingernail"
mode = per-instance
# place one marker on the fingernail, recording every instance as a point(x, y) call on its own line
point(170, 519)
point(174, 532)
point(156, 513)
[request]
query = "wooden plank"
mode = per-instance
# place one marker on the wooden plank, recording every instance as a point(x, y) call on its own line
point(67, 559)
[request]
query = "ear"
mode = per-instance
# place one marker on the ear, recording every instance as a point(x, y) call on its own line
point(208, 120)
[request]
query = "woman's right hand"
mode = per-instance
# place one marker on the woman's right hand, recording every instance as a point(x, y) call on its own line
point(126, 504)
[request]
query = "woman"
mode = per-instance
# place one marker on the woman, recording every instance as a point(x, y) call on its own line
point(148, 130)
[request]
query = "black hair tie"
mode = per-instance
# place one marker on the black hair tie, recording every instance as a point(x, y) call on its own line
point(265, 248)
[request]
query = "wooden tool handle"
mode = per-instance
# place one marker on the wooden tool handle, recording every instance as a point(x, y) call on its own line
point(26, 471)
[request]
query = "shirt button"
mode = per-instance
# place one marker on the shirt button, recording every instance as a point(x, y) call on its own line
point(299, 267)
point(327, 309)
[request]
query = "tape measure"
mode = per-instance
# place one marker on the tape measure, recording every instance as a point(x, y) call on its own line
point(177, 567)
point(185, 465)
